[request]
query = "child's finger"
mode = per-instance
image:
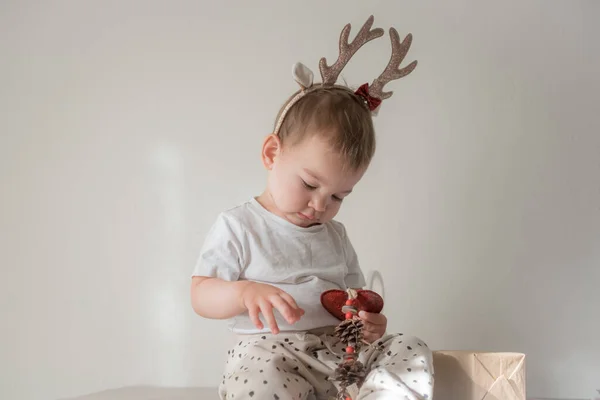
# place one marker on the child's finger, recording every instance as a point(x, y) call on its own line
point(285, 309)
point(266, 309)
point(253, 313)
point(373, 318)
point(287, 297)
point(368, 327)
point(370, 337)
point(298, 312)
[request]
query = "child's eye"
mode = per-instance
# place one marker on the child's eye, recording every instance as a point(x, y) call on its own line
point(306, 185)
point(337, 198)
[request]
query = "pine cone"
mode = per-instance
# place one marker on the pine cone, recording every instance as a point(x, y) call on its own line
point(349, 373)
point(350, 332)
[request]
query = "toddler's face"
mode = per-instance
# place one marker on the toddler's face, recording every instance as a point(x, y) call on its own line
point(307, 182)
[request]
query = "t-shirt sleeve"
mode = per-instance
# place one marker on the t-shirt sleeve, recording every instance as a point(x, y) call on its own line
point(221, 254)
point(354, 278)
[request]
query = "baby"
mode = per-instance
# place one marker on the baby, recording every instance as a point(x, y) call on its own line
point(265, 263)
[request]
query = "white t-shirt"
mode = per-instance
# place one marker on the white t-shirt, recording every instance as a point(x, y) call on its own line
point(248, 242)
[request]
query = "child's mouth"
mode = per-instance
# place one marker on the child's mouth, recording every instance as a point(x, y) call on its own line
point(306, 217)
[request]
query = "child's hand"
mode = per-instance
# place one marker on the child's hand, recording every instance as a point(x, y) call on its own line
point(374, 325)
point(260, 297)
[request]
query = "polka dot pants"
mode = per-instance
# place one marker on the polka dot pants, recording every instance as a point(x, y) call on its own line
point(298, 366)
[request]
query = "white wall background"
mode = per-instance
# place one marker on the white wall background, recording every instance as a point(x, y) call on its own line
point(125, 126)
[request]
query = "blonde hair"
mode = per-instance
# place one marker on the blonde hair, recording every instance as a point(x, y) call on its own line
point(338, 115)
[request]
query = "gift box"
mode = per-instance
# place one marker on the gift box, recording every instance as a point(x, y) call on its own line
point(465, 375)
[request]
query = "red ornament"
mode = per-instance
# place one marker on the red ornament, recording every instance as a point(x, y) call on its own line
point(348, 315)
point(349, 349)
point(366, 300)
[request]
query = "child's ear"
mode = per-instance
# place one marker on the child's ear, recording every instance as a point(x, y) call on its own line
point(270, 150)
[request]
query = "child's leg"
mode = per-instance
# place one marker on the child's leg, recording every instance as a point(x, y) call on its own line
point(402, 370)
point(283, 366)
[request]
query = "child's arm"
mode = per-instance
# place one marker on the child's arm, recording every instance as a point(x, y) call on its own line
point(217, 299)
point(220, 299)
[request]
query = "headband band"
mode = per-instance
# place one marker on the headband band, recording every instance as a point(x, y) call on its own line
point(372, 94)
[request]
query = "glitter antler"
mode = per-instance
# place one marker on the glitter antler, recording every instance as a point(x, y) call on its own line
point(372, 96)
point(391, 72)
point(330, 74)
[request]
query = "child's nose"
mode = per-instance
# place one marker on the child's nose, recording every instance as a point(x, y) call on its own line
point(318, 204)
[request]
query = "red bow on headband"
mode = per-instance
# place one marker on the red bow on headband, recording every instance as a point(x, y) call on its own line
point(372, 102)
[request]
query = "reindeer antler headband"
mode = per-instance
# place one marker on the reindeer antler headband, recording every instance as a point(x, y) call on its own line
point(373, 95)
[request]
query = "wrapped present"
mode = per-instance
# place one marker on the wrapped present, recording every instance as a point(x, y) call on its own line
point(465, 375)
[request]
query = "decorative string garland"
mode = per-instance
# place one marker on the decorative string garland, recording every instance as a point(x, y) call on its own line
point(350, 373)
